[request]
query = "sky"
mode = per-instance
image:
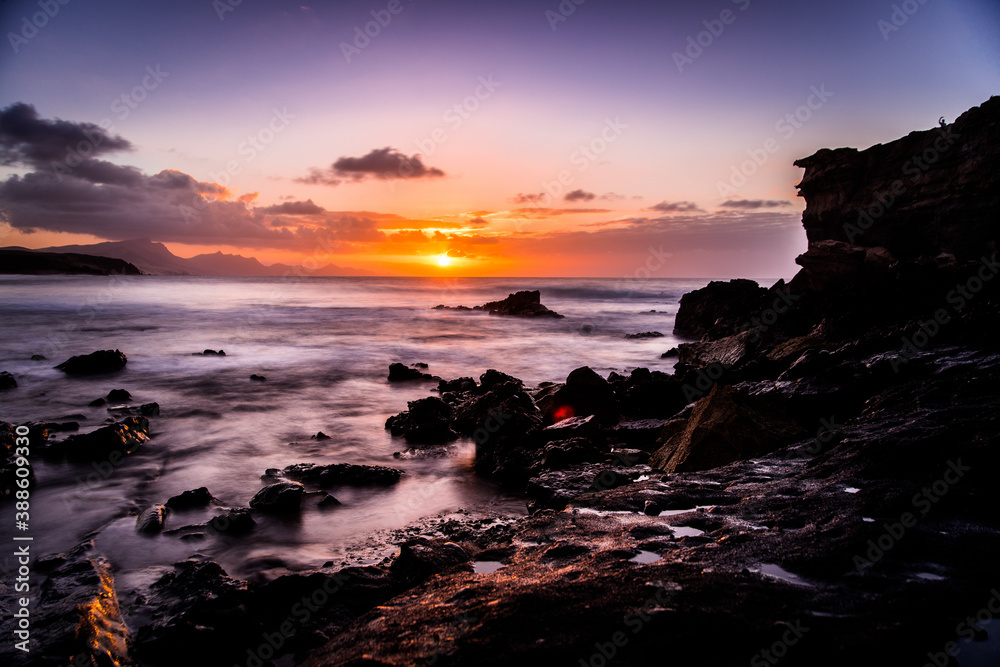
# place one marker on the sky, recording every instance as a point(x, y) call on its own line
point(476, 138)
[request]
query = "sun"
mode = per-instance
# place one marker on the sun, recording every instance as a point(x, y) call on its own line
point(444, 260)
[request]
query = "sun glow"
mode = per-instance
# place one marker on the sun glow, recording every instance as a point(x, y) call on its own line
point(444, 260)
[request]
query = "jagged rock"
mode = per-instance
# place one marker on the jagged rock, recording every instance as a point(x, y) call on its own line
point(237, 521)
point(421, 558)
point(728, 351)
point(492, 378)
point(199, 497)
point(151, 521)
point(943, 202)
point(338, 474)
point(278, 497)
point(122, 437)
point(644, 334)
point(718, 309)
point(563, 453)
point(520, 304)
point(320, 436)
point(427, 421)
point(328, 502)
point(572, 427)
point(726, 426)
point(209, 353)
point(95, 363)
point(648, 394)
point(7, 381)
point(458, 385)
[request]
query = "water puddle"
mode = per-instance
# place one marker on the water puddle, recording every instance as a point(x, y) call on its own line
point(780, 573)
point(686, 531)
point(486, 566)
point(645, 557)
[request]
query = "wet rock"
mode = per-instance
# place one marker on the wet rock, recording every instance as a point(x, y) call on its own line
point(572, 427)
point(640, 433)
point(328, 502)
point(97, 402)
point(651, 508)
point(401, 373)
point(644, 334)
point(339, 474)
point(257, 378)
point(145, 410)
point(7, 381)
point(122, 437)
point(648, 394)
point(493, 378)
point(118, 396)
point(77, 619)
point(670, 354)
point(237, 521)
point(320, 436)
point(278, 497)
point(199, 497)
point(38, 357)
point(95, 363)
point(729, 351)
point(151, 520)
point(427, 421)
point(564, 453)
point(726, 426)
point(209, 353)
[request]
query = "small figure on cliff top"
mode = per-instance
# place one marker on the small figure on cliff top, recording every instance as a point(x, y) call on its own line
point(941, 121)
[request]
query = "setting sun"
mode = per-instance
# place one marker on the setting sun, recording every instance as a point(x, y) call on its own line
point(444, 260)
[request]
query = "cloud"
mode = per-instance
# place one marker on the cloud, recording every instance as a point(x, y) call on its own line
point(580, 195)
point(478, 222)
point(381, 163)
point(612, 196)
point(409, 236)
point(747, 204)
point(533, 198)
point(27, 140)
point(675, 207)
point(306, 207)
point(537, 213)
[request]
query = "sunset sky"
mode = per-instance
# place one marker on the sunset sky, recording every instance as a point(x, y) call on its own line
point(463, 138)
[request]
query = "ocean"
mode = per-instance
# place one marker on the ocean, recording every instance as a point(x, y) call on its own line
point(324, 346)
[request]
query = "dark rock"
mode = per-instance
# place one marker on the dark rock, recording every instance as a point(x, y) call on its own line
point(520, 304)
point(427, 421)
point(151, 520)
point(95, 363)
point(258, 378)
point(420, 364)
point(320, 436)
point(651, 508)
point(947, 208)
point(492, 378)
point(149, 409)
point(718, 309)
point(726, 426)
point(278, 497)
point(118, 396)
point(459, 385)
point(199, 497)
point(401, 373)
point(339, 474)
point(97, 402)
point(585, 393)
point(422, 558)
point(38, 357)
point(238, 521)
point(572, 427)
point(672, 352)
point(77, 618)
point(329, 502)
point(645, 334)
point(564, 453)
point(732, 350)
point(7, 381)
point(120, 439)
point(209, 353)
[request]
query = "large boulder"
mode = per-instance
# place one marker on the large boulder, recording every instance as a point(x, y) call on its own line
point(427, 421)
point(7, 381)
point(724, 427)
point(339, 474)
point(95, 363)
point(400, 373)
point(718, 309)
point(520, 304)
point(278, 497)
point(584, 393)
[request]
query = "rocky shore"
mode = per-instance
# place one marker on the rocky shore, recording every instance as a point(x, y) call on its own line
point(814, 484)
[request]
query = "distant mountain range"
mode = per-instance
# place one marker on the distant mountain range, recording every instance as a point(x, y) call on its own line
point(154, 258)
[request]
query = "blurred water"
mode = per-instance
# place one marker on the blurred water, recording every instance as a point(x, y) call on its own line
point(324, 345)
